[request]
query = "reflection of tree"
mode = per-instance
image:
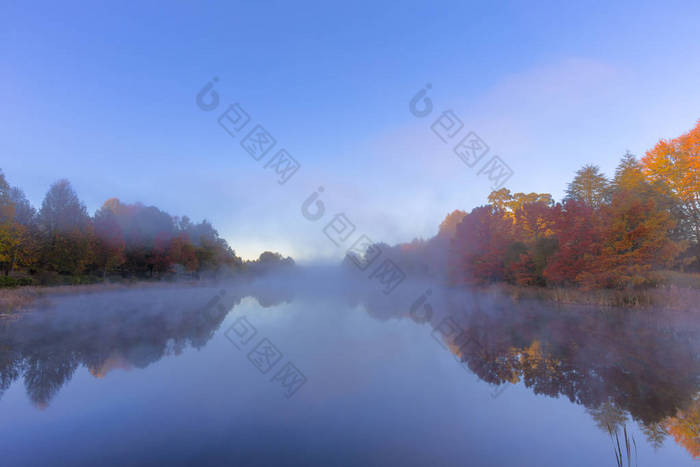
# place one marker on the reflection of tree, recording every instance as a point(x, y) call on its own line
point(655, 434)
point(685, 428)
point(9, 368)
point(618, 362)
point(46, 372)
point(608, 416)
point(108, 331)
point(614, 363)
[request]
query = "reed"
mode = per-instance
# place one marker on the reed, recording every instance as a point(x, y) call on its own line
point(666, 297)
point(620, 454)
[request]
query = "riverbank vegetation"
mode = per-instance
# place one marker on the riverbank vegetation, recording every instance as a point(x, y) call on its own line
point(61, 244)
point(606, 234)
point(633, 232)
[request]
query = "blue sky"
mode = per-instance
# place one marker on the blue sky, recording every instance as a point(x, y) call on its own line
point(105, 96)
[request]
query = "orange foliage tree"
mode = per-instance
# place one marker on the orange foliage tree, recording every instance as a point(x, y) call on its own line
point(675, 164)
point(634, 242)
point(685, 428)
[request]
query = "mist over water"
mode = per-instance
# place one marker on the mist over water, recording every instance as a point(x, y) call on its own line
point(425, 375)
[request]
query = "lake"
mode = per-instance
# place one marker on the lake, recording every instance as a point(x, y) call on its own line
point(325, 370)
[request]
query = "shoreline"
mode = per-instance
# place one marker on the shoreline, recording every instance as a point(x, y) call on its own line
point(669, 297)
point(14, 300)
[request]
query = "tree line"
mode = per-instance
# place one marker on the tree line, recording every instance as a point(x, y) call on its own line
point(62, 243)
point(607, 233)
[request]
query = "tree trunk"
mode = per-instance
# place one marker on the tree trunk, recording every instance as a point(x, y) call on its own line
point(12, 262)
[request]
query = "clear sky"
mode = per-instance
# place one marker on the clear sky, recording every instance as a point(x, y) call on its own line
point(105, 97)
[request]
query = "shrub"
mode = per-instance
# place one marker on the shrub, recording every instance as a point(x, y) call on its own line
point(8, 281)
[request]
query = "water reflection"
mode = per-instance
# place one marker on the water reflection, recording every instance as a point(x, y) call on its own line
point(621, 366)
point(117, 330)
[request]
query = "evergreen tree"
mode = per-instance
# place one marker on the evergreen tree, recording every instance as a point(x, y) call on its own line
point(589, 186)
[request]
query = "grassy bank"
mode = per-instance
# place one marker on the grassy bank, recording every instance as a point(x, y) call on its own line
point(50, 279)
point(676, 291)
point(13, 299)
point(16, 299)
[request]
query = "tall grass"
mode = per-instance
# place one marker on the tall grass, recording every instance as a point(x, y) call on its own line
point(620, 455)
point(687, 280)
point(670, 297)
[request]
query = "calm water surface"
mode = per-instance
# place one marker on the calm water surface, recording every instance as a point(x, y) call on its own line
point(288, 374)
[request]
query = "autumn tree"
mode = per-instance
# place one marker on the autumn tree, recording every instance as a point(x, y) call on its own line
point(508, 203)
point(182, 252)
point(533, 221)
point(448, 226)
point(634, 242)
point(500, 200)
point(129, 239)
point(7, 213)
point(24, 249)
point(629, 174)
point(578, 232)
point(147, 233)
point(212, 252)
point(17, 228)
point(479, 246)
point(531, 242)
point(675, 164)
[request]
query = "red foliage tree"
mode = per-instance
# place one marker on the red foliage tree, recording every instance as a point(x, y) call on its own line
point(479, 247)
point(577, 228)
